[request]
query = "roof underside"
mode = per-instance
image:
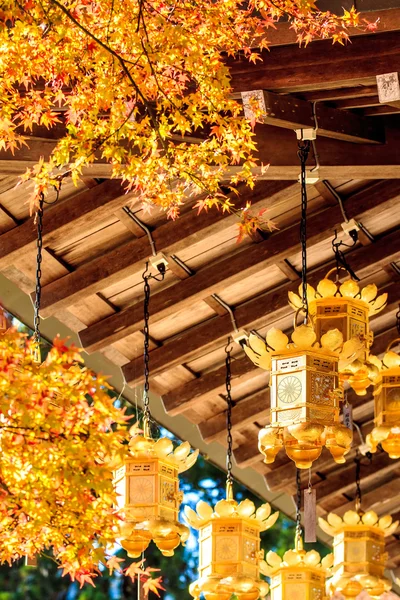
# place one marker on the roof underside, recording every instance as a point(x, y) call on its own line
point(95, 252)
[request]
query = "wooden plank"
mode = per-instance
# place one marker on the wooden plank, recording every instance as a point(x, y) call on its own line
point(334, 95)
point(255, 312)
point(290, 112)
point(320, 65)
point(246, 411)
point(183, 397)
point(131, 256)
point(363, 102)
point(213, 278)
point(7, 220)
point(84, 209)
point(382, 500)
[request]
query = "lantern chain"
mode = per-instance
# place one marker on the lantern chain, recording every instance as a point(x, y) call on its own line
point(228, 384)
point(340, 257)
point(38, 287)
point(303, 152)
point(398, 320)
point(298, 509)
point(146, 316)
point(146, 276)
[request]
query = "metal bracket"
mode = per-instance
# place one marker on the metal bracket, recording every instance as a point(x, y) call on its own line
point(312, 177)
point(159, 262)
point(239, 336)
point(142, 226)
point(349, 226)
point(309, 134)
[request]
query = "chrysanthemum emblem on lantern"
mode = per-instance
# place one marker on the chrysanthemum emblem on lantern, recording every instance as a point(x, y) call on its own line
point(148, 494)
point(230, 554)
point(387, 405)
point(147, 484)
point(305, 394)
point(300, 575)
point(348, 309)
point(359, 552)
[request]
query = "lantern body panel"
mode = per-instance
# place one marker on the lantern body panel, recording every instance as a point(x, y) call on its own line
point(387, 399)
point(298, 583)
point(348, 315)
point(148, 488)
point(229, 547)
point(359, 549)
point(302, 382)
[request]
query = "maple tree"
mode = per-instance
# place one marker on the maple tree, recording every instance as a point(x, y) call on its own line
point(60, 433)
point(142, 85)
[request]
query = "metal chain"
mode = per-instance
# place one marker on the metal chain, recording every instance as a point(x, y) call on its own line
point(303, 152)
point(228, 360)
point(146, 316)
point(38, 288)
point(298, 506)
point(357, 460)
point(340, 257)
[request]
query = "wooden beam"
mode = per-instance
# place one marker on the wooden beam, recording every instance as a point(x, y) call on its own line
point(215, 277)
point(290, 112)
point(276, 147)
point(82, 210)
point(252, 314)
point(334, 95)
point(248, 410)
point(383, 499)
point(320, 65)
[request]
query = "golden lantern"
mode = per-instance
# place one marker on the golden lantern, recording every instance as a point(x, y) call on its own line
point(305, 394)
point(347, 308)
point(147, 486)
point(387, 405)
point(229, 534)
point(230, 556)
point(299, 575)
point(359, 552)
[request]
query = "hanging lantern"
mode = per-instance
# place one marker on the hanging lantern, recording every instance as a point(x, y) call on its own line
point(305, 391)
point(359, 548)
point(348, 309)
point(147, 484)
point(300, 575)
point(305, 395)
point(230, 556)
point(148, 494)
point(229, 535)
point(359, 552)
point(387, 405)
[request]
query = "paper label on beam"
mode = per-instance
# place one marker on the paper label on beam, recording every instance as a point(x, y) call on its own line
point(310, 515)
point(388, 87)
point(31, 561)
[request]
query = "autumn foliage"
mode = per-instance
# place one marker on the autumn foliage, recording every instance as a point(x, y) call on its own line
point(142, 85)
point(59, 434)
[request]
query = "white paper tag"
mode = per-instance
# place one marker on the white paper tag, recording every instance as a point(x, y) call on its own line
point(348, 416)
point(310, 515)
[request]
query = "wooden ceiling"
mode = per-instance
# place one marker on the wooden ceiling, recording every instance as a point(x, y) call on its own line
point(95, 253)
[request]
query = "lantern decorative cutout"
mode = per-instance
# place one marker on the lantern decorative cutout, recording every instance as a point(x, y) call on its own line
point(348, 309)
point(299, 575)
point(359, 552)
point(147, 486)
point(230, 555)
point(387, 405)
point(305, 394)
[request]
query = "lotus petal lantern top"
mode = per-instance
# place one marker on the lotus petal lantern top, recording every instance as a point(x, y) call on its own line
point(148, 493)
point(346, 307)
point(230, 548)
point(359, 552)
point(387, 405)
point(299, 575)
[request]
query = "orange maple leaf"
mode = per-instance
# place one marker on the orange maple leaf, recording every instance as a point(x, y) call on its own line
point(153, 585)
